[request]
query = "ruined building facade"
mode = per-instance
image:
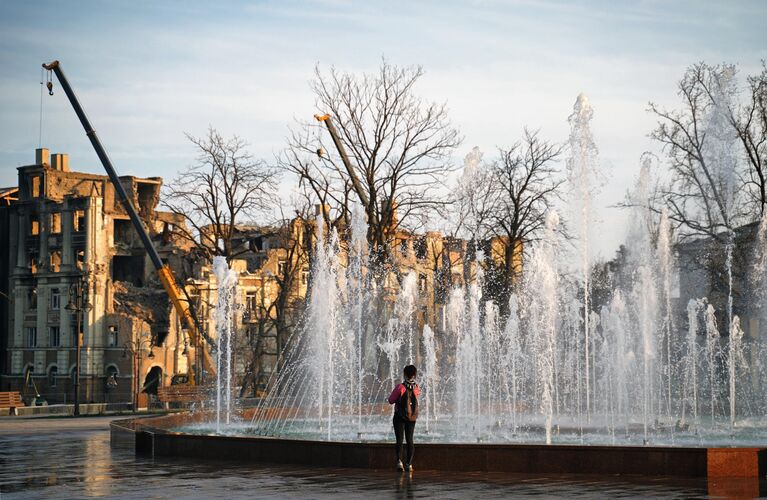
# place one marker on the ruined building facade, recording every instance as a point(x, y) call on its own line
point(64, 227)
point(274, 269)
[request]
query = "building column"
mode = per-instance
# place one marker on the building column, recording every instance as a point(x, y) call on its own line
point(18, 328)
point(44, 225)
point(67, 226)
point(22, 264)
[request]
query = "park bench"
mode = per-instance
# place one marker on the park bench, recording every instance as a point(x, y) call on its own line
point(182, 394)
point(11, 400)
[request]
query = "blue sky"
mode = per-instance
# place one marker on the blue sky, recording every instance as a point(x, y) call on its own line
point(147, 72)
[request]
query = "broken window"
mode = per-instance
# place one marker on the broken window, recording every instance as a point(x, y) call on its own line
point(122, 231)
point(251, 306)
point(254, 263)
point(148, 195)
point(78, 220)
point(54, 336)
point(35, 186)
point(31, 336)
point(419, 247)
point(55, 299)
point(403, 247)
point(55, 222)
point(128, 268)
point(54, 261)
point(112, 337)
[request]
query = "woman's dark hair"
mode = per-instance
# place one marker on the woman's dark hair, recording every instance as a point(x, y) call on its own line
point(410, 371)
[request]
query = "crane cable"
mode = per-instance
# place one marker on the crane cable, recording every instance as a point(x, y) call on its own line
point(40, 131)
point(47, 82)
point(318, 140)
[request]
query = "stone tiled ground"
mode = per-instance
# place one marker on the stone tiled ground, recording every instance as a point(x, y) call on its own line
point(72, 458)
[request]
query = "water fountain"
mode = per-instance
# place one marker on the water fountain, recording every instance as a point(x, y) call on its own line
point(226, 280)
point(643, 371)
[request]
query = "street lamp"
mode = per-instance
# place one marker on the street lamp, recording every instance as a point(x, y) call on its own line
point(134, 348)
point(78, 303)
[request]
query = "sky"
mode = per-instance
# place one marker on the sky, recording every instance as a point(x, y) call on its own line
point(146, 72)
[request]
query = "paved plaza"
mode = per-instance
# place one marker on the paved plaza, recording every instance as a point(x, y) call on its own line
point(72, 458)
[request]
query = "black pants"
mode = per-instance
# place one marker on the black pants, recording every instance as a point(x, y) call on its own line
point(403, 428)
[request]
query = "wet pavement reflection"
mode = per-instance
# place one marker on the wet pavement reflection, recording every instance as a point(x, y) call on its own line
point(76, 463)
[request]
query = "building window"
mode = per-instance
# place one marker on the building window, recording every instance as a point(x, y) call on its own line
point(111, 380)
point(281, 267)
point(54, 261)
point(78, 221)
point(31, 336)
point(55, 299)
point(422, 283)
point(55, 222)
point(54, 335)
point(36, 187)
point(112, 336)
point(305, 277)
point(419, 247)
point(32, 298)
point(251, 305)
point(52, 376)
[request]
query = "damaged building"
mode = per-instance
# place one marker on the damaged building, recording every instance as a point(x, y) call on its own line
point(64, 228)
point(273, 266)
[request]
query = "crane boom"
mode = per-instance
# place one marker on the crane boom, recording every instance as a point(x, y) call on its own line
point(344, 157)
point(183, 307)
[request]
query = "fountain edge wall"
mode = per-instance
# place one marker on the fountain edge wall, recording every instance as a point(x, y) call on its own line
point(151, 436)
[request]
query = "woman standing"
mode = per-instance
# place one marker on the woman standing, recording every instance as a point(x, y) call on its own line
point(404, 397)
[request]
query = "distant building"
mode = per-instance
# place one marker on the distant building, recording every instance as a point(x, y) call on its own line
point(703, 272)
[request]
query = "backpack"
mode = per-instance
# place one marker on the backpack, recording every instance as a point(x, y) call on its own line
point(407, 405)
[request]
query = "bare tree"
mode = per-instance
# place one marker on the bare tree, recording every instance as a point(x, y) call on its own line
point(474, 199)
point(504, 204)
point(225, 187)
point(700, 196)
point(712, 190)
point(398, 145)
point(527, 184)
point(750, 122)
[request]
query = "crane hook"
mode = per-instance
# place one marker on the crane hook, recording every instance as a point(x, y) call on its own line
point(50, 87)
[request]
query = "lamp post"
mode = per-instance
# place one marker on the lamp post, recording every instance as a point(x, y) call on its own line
point(78, 303)
point(134, 348)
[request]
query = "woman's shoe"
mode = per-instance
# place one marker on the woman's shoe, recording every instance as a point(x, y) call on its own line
point(400, 467)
